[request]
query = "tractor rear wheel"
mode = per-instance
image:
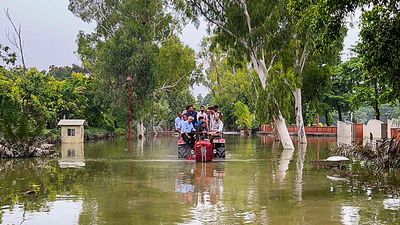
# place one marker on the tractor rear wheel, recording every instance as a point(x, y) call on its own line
point(220, 152)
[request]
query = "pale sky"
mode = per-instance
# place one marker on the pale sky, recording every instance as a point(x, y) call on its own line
point(49, 32)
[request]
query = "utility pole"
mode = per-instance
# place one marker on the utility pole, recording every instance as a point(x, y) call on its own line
point(129, 81)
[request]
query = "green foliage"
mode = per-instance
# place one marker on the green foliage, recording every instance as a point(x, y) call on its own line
point(378, 49)
point(32, 102)
point(124, 42)
point(64, 72)
point(6, 55)
point(278, 96)
point(22, 113)
point(229, 84)
point(244, 118)
point(136, 38)
point(379, 46)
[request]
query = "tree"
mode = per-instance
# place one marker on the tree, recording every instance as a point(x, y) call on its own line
point(22, 114)
point(378, 50)
point(136, 38)
point(7, 56)
point(229, 82)
point(254, 29)
point(64, 72)
point(309, 41)
point(175, 74)
point(244, 117)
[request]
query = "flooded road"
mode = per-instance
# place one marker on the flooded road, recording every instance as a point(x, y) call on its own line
point(109, 182)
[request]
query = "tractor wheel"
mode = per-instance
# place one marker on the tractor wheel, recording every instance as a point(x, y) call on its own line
point(220, 151)
point(182, 152)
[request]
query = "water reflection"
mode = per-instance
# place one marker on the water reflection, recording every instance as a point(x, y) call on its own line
point(392, 203)
point(350, 215)
point(301, 156)
point(286, 157)
point(258, 183)
point(201, 184)
point(72, 155)
point(60, 212)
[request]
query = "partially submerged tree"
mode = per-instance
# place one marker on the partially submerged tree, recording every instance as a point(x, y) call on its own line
point(310, 43)
point(254, 31)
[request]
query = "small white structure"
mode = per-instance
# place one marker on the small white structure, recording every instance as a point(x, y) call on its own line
point(72, 131)
point(344, 133)
point(374, 128)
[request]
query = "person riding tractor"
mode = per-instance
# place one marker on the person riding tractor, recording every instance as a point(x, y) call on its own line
point(187, 131)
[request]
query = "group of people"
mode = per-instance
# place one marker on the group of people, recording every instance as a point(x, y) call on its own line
point(206, 122)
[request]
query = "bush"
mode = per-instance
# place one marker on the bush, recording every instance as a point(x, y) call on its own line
point(244, 119)
point(382, 156)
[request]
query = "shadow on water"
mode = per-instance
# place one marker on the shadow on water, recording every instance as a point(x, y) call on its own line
point(110, 182)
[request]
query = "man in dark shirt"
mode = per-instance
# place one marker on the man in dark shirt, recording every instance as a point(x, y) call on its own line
point(191, 112)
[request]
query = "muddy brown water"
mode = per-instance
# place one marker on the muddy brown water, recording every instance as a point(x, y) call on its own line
point(108, 182)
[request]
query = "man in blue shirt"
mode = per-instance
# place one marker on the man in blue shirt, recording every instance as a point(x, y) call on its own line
point(187, 131)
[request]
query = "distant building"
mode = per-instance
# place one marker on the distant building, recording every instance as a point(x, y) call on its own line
point(72, 131)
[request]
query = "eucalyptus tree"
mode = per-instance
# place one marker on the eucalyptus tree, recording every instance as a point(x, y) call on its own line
point(310, 43)
point(254, 31)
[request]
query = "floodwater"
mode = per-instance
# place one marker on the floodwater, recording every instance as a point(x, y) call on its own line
point(108, 182)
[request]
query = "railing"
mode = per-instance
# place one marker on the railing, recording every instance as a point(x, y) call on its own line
point(309, 130)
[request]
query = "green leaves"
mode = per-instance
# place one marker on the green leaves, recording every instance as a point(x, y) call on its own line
point(135, 38)
point(380, 46)
point(7, 56)
point(244, 118)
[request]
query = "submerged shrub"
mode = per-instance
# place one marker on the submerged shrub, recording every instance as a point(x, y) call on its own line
point(384, 155)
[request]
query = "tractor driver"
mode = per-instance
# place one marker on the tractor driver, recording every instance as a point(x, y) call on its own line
point(187, 131)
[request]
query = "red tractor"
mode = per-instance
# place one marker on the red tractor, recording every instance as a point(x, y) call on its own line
point(203, 150)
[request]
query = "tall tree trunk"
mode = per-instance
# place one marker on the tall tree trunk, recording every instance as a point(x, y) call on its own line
point(327, 118)
point(301, 133)
point(376, 102)
point(377, 111)
point(262, 72)
point(339, 110)
point(283, 132)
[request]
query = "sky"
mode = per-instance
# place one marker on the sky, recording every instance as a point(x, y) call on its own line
point(49, 33)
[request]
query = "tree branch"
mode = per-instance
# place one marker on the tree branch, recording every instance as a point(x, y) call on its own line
point(166, 87)
point(303, 58)
point(17, 35)
point(221, 26)
point(247, 15)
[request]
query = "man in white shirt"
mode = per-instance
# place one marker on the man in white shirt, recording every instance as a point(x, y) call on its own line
point(210, 118)
point(217, 126)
